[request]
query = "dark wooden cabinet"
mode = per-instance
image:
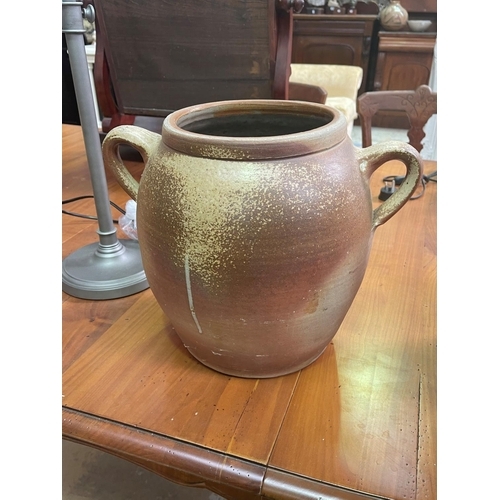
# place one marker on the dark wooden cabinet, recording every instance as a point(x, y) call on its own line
point(334, 39)
point(404, 62)
point(403, 59)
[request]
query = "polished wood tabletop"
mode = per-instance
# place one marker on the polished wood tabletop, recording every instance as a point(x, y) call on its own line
point(360, 422)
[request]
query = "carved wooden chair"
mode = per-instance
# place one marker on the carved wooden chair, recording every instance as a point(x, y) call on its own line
point(419, 105)
point(157, 56)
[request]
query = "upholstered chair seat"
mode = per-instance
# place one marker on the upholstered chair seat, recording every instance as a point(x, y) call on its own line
point(340, 81)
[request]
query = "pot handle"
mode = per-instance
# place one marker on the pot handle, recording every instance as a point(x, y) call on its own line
point(373, 157)
point(141, 139)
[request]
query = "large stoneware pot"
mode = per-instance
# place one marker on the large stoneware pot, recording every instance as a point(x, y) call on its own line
point(255, 223)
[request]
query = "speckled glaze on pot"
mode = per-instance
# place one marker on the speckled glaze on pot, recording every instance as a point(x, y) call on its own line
point(255, 245)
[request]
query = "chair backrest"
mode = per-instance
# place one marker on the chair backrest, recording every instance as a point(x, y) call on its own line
point(161, 55)
point(419, 105)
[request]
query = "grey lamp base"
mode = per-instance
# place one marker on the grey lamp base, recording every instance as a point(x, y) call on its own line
point(96, 272)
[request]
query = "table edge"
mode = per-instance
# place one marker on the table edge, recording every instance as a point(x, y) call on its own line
point(195, 466)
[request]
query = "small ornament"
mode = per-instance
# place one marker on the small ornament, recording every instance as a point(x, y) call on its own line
point(393, 17)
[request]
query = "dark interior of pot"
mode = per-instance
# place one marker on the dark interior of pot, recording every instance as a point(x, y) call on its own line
point(252, 124)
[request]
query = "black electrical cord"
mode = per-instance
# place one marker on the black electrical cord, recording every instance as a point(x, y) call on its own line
point(398, 180)
point(83, 216)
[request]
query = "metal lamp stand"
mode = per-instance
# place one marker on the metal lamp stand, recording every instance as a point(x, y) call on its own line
point(111, 268)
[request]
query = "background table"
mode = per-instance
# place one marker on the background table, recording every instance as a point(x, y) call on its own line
point(360, 422)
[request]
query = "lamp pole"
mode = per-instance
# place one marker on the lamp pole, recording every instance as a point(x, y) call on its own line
point(111, 268)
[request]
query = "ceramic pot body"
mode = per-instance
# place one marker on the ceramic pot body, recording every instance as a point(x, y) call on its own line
point(255, 223)
point(393, 17)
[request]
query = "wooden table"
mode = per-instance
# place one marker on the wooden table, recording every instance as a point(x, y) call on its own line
point(360, 422)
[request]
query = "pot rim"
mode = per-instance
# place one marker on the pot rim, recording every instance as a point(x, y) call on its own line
point(253, 148)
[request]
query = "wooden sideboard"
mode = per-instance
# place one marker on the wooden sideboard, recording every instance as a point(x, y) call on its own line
point(334, 39)
point(404, 62)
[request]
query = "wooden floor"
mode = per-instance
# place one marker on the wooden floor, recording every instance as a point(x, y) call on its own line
point(91, 474)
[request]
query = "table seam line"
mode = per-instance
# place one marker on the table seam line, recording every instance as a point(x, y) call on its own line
point(282, 422)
